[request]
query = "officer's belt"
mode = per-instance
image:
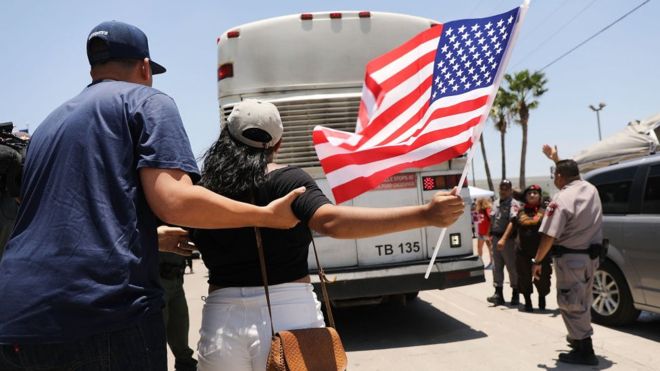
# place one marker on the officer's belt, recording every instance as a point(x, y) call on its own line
point(594, 251)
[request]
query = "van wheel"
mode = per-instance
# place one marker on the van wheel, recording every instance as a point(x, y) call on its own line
point(411, 296)
point(612, 304)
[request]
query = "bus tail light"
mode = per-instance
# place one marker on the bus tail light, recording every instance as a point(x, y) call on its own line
point(432, 183)
point(233, 34)
point(364, 14)
point(225, 70)
point(335, 15)
point(306, 16)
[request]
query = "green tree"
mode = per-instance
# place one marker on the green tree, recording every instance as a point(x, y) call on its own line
point(525, 88)
point(501, 114)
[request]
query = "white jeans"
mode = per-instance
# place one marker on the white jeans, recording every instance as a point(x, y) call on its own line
point(235, 333)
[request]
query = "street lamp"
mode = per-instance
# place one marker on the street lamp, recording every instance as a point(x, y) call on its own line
point(601, 105)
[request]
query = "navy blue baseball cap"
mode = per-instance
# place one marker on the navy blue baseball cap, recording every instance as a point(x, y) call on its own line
point(124, 41)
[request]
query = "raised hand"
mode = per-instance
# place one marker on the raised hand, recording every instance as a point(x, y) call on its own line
point(551, 152)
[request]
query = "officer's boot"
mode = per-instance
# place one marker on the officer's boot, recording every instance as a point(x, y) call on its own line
point(541, 302)
point(515, 297)
point(572, 343)
point(528, 302)
point(582, 354)
point(497, 298)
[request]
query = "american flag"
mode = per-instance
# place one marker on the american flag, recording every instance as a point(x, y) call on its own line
point(422, 104)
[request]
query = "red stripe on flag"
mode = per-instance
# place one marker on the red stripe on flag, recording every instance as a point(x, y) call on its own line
point(363, 115)
point(360, 185)
point(391, 113)
point(392, 82)
point(455, 109)
point(338, 161)
point(462, 107)
point(410, 70)
point(372, 85)
point(319, 136)
point(389, 57)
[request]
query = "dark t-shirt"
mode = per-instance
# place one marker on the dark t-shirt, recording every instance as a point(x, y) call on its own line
point(231, 254)
point(83, 257)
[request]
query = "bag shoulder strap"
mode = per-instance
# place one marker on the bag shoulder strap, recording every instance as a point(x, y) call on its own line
point(264, 276)
point(323, 279)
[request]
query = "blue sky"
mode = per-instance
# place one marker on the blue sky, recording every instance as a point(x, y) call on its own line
point(43, 62)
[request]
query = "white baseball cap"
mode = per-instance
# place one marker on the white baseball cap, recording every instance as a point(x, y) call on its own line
point(255, 123)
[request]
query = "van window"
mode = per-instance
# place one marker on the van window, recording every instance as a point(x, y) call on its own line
point(614, 189)
point(651, 203)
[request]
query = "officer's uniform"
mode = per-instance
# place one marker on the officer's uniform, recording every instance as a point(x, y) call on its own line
point(574, 219)
point(502, 212)
point(175, 313)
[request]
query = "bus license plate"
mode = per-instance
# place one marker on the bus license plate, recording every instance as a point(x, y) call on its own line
point(398, 249)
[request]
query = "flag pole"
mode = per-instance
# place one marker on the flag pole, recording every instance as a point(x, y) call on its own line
point(443, 231)
point(479, 129)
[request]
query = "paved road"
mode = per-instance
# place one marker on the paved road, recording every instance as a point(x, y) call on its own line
point(457, 329)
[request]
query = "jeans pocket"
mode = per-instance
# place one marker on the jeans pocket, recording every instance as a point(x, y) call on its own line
point(216, 326)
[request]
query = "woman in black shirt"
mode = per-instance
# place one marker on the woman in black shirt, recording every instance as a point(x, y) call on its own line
point(526, 224)
point(235, 333)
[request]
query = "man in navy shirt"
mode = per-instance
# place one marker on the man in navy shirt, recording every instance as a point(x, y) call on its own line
point(79, 279)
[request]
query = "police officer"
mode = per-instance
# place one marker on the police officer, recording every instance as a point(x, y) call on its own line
point(502, 211)
point(572, 223)
point(172, 267)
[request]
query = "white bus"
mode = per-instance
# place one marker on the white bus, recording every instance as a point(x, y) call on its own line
point(311, 66)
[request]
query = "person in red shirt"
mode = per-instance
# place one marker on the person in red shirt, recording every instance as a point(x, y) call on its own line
point(483, 233)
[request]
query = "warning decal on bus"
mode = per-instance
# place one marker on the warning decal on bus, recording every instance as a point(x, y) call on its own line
point(399, 181)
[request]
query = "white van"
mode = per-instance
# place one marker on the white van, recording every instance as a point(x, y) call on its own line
point(311, 66)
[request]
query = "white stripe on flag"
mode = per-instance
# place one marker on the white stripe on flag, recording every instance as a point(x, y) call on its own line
point(404, 61)
point(405, 116)
point(348, 173)
point(399, 120)
point(325, 150)
point(440, 103)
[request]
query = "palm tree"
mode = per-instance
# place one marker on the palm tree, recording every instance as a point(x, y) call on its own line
point(483, 153)
point(525, 88)
point(501, 114)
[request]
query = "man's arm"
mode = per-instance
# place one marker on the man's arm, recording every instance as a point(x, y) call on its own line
point(359, 222)
point(501, 243)
point(544, 247)
point(175, 200)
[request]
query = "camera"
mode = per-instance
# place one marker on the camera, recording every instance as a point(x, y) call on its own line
point(12, 152)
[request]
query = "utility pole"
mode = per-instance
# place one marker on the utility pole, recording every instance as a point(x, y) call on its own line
point(601, 105)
